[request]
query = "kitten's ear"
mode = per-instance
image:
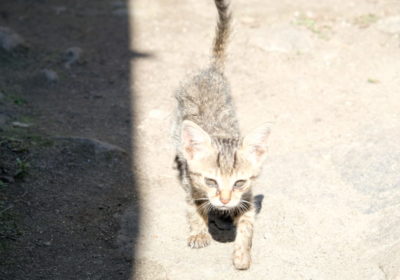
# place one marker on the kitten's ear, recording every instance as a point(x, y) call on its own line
point(195, 140)
point(255, 144)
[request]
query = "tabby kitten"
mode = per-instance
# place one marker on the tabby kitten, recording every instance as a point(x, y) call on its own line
point(217, 166)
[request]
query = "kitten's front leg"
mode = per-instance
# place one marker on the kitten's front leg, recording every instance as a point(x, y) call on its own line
point(243, 241)
point(199, 236)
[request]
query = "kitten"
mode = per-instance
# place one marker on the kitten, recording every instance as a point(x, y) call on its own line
point(217, 166)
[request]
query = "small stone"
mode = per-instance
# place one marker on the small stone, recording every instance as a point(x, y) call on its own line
point(50, 75)
point(59, 9)
point(9, 39)
point(250, 21)
point(21, 124)
point(389, 25)
point(7, 179)
point(99, 147)
point(373, 81)
point(72, 55)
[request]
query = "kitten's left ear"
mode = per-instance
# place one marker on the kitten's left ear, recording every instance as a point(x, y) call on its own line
point(196, 142)
point(255, 144)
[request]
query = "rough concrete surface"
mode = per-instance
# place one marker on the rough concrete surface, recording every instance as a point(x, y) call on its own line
point(325, 74)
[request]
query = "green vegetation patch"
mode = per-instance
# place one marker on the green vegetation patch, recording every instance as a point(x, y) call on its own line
point(365, 21)
point(323, 31)
point(15, 148)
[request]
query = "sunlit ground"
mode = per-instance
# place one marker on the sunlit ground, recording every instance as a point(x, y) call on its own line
point(328, 80)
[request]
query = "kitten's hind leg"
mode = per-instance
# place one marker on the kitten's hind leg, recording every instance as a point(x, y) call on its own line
point(199, 236)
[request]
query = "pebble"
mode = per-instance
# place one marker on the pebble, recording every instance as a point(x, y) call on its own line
point(250, 21)
point(21, 124)
point(72, 55)
point(9, 39)
point(7, 179)
point(99, 147)
point(59, 9)
point(50, 75)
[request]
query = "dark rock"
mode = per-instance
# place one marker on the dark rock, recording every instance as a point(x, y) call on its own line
point(72, 55)
point(10, 40)
point(50, 75)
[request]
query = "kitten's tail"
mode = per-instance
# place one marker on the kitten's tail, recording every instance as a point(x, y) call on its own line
point(222, 33)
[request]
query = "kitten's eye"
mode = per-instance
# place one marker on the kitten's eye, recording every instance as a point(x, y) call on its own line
point(211, 182)
point(240, 183)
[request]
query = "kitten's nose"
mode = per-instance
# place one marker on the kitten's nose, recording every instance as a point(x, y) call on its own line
point(225, 196)
point(224, 200)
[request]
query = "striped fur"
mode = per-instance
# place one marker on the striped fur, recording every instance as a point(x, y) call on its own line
point(226, 157)
point(222, 33)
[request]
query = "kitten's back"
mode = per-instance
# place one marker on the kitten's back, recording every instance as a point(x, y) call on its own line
point(206, 101)
point(206, 98)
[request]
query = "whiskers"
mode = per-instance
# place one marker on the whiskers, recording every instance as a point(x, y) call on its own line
point(243, 206)
point(244, 201)
point(201, 199)
point(204, 205)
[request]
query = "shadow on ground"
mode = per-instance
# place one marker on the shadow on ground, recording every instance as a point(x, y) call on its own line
point(66, 168)
point(221, 226)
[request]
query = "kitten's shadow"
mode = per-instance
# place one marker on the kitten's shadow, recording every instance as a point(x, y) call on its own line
point(220, 224)
point(221, 227)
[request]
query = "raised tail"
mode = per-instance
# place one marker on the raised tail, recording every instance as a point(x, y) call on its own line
point(222, 33)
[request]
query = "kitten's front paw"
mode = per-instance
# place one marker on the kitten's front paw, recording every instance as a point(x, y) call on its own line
point(199, 241)
point(242, 260)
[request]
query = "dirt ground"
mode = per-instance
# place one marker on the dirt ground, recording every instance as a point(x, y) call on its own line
point(88, 190)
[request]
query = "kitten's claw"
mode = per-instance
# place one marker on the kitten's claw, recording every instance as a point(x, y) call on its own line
point(242, 260)
point(200, 240)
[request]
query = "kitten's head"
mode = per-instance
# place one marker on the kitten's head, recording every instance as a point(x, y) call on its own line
point(222, 169)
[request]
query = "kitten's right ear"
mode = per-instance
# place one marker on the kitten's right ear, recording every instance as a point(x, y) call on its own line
point(195, 140)
point(255, 144)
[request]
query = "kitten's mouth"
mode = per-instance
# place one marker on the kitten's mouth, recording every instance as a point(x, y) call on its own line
point(224, 208)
